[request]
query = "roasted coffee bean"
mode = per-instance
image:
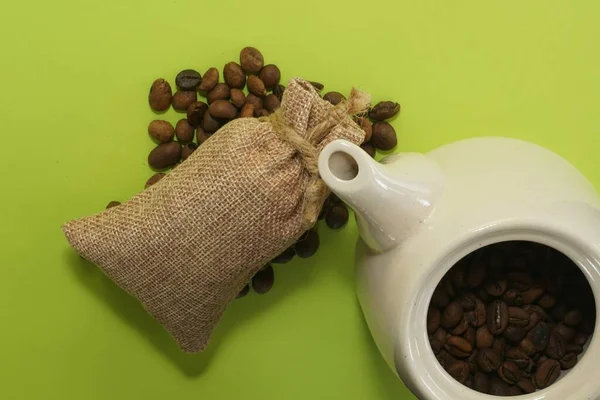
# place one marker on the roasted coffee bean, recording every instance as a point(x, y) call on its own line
point(566, 332)
point(369, 149)
point(458, 347)
point(547, 301)
point(261, 113)
point(461, 328)
point(433, 320)
point(221, 91)
point(154, 179)
point(514, 391)
point(483, 295)
point(532, 294)
point(247, 111)
point(556, 347)
point(481, 383)
point(497, 317)
point(459, 371)
point(573, 318)
point(317, 85)
point(526, 385)
point(238, 98)
point(201, 135)
point(244, 291)
point(452, 315)
point(527, 346)
point(222, 109)
point(384, 110)
point(182, 99)
point(285, 257)
point(184, 131)
point(209, 80)
point(488, 360)
point(308, 244)
point(440, 336)
point(580, 339)
point(533, 308)
point(187, 150)
point(498, 387)
point(234, 76)
point(478, 316)
point(384, 136)
point(458, 276)
point(271, 103)
point(559, 312)
point(483, 337)
point(539, 336)
point(472, 361)
point(256, 86)
point(263, 280)
point(546, 374)
point(468, 301)
point(496, 288)
point(337, 217)
point(113, 204)
point(439, 298)
point(518, 317)
point(256, 101)
point(568, 361)
point(366, 126)
point(334, 98)
point(469, 335)
point(509, 372)
point(476, 273)
point(160, 95)
point(209, 123)
point(161, 131)
point(519, 280)
point(165, 155)
point(574, 348)
point(270, 75)
point(278, 91)
point(188, 79)
point(513, 297)
point(499, 345)
point(195, 113)
point(251, 60)
point(518, 356)
point(514, 333)
point(445, 358)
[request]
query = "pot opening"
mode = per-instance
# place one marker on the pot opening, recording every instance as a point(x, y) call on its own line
point(511, 318)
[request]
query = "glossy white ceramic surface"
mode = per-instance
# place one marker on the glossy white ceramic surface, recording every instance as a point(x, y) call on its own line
point(419, 214)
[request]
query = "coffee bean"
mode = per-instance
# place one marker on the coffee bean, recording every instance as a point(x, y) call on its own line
point(384, 136)
point(476, 273)
point(468, 301)
point(461, 328)
point(184, 131)
point(459, 371)
point(384, 110)
point(308, 244)
point(452, 315)
point(286, 256)
point(234, 76)
point(209, 123)
point(519, 280)
point(113, 204)
point(318, 86)
point(271, 103)
point(481, 383)
point(263, 280)
point(469, 335)
point(270, 75)
point(527, 346)
point(580, 339)
point(160, 95)
point(247, 111)
point(251, 60)
point(539, 336)
point(188, 79)
point(498, 387)
point(526, 385)
point(439, 298)
point(568, 361)
point(369, 149)
point(458, 347)
point(566, 332)
point(182, 99)
point(256, 86)
point(195, 113)
point(514, 333)
point(187, 150)
point(238, 98)
point(337, 216)
point(449, 287)
point(499, 345)
point(222, 109)
point(509, 372)
point(518, 317)
point(546, 374)
point(458, 276)
point(209, 80)
point(559, 312)
point(433, 320)
point(478, 316)
point(556, 347)
point(472, 361)
point(261, 113)
point(366, 126)
point(221, 91)
point(496, 288)
point(497, 317)
point(532, 294)
point(244, 291)
point(514, 391)
point(588, 326)
point(165, 155)
point(484, 295)
point(154, 179)
point(488, 360)
point(483, 337)
point(278, 91)
point(547, 301)
point(513, 297)
point(256, 101)
point(574, 348)
point(201, 135)
point(445, 358)
point(573, 318)
point(334, 98)
point(519, 357)
point(441, 336)
point(161, 131)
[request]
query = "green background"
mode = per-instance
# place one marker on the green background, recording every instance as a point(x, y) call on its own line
point(75, 77)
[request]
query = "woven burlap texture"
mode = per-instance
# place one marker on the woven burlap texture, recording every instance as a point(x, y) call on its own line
point(187, 245)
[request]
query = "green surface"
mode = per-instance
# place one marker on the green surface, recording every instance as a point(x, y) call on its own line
point(75, 76)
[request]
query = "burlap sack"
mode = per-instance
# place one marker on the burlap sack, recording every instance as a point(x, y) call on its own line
point(187, 245)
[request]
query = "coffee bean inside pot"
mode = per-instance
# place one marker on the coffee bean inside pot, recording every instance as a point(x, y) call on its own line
point(503, 312)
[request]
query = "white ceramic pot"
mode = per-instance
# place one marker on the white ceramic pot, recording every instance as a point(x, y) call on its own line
point(418, 214)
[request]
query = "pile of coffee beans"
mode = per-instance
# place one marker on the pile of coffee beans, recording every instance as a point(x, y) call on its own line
point(248, 89)
point(508, 318)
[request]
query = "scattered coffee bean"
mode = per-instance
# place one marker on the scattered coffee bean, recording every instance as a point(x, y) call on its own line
point(337, 216)
point(247, 111)
point(221, 91)
point(369, 149)
point(256, 86)
point(251, 60)
point(234, 75)
point(384, 136)
point(201, 135)
point(263, 280)
point(318, 86)
point(222, 109)
point(195, 113)
point(384, 110)
point(270, 75)
point(154, 179)
point(188, 79)
point(546, 374)
point(113, 204)
point(334, 98)
point(182, 99)
point(187, 150)
point(255, 101)
point(458, 347)
point(165, 155)
point(518, 317)
point(244, 291)
point(161, 131)
point(160, 95)
point(209, 80)
point(278, 91)
point(366, 126)
point(238, 98)
point(209, 123)
point(261, 113)
point(271, 103)
point(285, 257)
point(184, 131)
point(308, 244)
